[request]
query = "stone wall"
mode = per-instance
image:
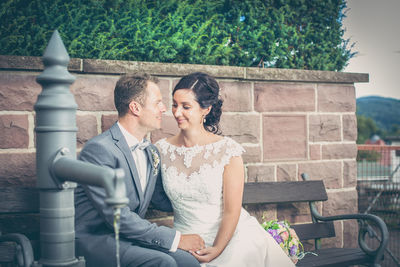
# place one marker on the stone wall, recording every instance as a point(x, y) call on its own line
point(289, 122)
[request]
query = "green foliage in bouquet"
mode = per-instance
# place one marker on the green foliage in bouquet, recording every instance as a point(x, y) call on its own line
point(266, 33)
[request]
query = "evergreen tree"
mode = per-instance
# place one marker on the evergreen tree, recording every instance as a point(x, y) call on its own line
point(266, 33)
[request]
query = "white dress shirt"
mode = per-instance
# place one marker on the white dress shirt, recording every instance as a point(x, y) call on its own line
point(139, 156)
point(141, 161)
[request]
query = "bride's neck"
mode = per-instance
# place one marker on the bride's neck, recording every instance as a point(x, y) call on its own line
point(192, 138)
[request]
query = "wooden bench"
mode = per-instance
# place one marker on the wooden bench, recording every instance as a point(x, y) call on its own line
point(283, 193)
point(19, 226)
point(19, 213)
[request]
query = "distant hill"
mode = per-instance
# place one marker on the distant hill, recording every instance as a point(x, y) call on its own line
point(384, 111)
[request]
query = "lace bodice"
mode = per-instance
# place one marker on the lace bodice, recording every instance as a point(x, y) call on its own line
point(193, 179)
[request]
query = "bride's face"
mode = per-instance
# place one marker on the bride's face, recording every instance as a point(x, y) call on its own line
point(186, 110)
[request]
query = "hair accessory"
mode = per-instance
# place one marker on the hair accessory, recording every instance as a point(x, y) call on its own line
point(191, 87)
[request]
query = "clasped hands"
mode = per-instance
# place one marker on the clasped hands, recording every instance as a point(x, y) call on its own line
point(195, 245)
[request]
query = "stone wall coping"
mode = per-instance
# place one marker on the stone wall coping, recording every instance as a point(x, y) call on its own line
point(116, 67)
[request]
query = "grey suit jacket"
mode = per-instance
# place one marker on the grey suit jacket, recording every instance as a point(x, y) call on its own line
point(93, 218)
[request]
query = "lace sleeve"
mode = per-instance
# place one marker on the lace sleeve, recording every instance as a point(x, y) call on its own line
point(233, 149)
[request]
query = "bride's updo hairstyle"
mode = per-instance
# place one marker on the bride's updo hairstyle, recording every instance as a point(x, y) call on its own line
point(206, 91)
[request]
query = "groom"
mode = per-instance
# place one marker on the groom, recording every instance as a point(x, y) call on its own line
point(139, 104)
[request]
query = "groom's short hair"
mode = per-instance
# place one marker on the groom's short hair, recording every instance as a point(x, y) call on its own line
point(130, 87)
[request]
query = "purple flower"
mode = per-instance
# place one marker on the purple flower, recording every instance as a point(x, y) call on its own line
point(293, 250)
point(278, 239)
point(273, 232)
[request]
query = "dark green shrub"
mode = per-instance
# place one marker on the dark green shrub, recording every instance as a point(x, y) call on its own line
point(271, 33)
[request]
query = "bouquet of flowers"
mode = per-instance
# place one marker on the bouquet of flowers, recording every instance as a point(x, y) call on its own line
point(286, 237)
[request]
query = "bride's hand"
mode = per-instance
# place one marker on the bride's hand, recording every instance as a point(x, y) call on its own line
point(207, 254)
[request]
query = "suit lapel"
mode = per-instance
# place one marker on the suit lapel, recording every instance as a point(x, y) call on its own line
point(150, 170)
point(151, 178)
point(123, 146)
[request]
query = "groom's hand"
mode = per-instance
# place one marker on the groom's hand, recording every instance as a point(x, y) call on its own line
point(192, 242)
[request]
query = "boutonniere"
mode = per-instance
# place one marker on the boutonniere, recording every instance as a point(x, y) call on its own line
point(156, 160)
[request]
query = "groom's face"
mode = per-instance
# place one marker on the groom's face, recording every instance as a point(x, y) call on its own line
point(153, 108)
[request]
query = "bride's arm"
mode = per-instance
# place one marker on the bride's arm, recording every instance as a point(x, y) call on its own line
point(232, 196)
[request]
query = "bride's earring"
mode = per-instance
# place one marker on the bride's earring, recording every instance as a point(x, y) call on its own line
point(204, 119)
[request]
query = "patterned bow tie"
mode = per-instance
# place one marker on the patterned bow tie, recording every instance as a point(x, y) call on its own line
point(141, 145)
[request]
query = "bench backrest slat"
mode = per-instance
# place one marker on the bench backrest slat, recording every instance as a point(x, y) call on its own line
point(314, 230)
point(284, 192)
point(19, 200)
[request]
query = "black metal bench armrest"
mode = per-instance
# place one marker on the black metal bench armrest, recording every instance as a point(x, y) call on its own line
point(24, 248)
point(377, 253)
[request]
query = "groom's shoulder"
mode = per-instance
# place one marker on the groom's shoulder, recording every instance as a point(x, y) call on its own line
point(96, 143)
point(101, 138)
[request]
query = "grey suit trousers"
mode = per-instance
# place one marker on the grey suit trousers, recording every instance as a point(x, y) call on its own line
point(131, 255)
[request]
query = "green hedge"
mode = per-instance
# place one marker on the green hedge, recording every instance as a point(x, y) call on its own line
point(302, 34)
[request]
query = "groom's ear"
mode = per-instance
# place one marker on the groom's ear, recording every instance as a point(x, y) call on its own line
point(135, 108)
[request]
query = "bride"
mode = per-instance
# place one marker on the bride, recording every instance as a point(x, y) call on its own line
point(204, 179)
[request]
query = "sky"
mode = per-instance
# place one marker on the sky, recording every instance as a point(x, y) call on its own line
point(373, 25)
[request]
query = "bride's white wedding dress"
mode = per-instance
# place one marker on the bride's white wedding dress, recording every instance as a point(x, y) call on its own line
point(193, 178)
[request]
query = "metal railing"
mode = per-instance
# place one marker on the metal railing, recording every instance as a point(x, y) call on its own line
point(378, 187)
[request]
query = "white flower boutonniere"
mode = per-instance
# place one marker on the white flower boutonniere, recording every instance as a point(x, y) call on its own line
point(156, 160)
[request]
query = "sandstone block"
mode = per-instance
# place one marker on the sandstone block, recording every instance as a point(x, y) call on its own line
point(168, 128)
point(262, 212)
point(324, 128)
point(244, 128)
point(165, 92)
point(87, 128)
point(339, 151)
point(336, 98)
point(32, 63)
point(286, 172)
point(349, 173)
point(284, 97)
point(344, 202)
point(94, 92)
point(284, 137)
point(252, 154)
point(333, 242)
point(350, 234)
point(108, 66)
point(236, 96)
point(315, 152)
point(174, 83)
point(349, 127)
point(14, 131)
point(107, 121)
point(18, 169)
point(18, 91)
point(293, 75)
point(260, 173)
point(329, 172)
point(294, 212)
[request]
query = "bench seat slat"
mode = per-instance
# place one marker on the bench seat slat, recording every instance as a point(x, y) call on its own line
point(284, 192)
point(7, 251)
point(334, 257)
